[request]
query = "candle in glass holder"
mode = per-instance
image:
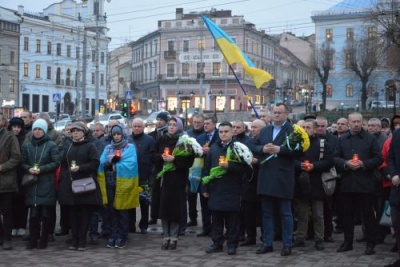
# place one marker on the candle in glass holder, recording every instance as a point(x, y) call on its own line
point(35, 166)
point(118, 153)
point(207, 144)
point(355, 158)
point(73, 163)
point(222, 159)
point(307, 164)
point(166, 151)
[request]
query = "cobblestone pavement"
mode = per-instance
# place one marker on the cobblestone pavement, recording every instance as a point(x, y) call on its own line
point(145, 250)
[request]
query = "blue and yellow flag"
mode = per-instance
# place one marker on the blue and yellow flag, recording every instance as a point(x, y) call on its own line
point(233, 54)
point(127, 181)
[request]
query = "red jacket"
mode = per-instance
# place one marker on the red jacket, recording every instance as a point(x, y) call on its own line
point(383, 167)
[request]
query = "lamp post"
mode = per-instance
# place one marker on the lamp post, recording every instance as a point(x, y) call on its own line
point(306, 102)
point(214, 97)
point(342, 108)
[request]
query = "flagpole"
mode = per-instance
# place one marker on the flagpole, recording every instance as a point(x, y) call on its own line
point(244, 92)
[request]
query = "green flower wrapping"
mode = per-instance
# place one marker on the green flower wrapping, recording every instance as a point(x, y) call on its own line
point(186, 146)
point(214, 173)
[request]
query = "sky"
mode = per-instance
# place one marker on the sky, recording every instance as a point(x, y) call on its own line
point(129, 20)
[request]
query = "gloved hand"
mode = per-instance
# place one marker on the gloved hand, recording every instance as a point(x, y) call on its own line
point(115, 159)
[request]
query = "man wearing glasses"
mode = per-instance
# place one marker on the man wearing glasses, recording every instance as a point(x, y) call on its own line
point(276, 179)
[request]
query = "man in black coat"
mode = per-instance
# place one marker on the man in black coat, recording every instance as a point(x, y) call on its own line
point(224, 193)
point(144, 144)
point(276, 179)
point(356, 156)
point(206, 140)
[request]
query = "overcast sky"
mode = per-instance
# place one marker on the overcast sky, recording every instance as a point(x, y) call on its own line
point(129, 20)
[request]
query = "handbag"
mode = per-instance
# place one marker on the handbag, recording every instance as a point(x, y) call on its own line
point(29, 179)
point(83, 185)
point(328, 178)
point(386, 219)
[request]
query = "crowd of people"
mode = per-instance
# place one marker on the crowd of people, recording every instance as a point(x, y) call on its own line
point(279, 189)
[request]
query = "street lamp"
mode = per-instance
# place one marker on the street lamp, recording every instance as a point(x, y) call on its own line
point(342, 108)
point(214, 97)
point(306, 102)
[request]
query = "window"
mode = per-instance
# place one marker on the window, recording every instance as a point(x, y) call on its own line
point(78, 52)
point(37, 70)
point(234, 67)
point(37, 46)
point(26, 43)
point(349, 90)
point(58, 49)
point(171, 46)
point(349, 59)
point(329, 35)
point(96, 8)
point(201, 44)
point(246, 45)
point(200, 69)
point(216, 47)
point(371, 32)
point(101, 79)
point(329, 90)
point(68, 78)
point(371, 89)
point(93, 77)
point(49, 48)
point(185, 69)
point(12, 58)
point(68, 51)
point(93, 56)
point(151, 70)
point(185, 46)
point(58, 76)
point(11, 85)
point(45, 103)
point(48, 76)
point(26, 70)
point(350, 34)
point(216, 68)
point(170, 70)
point(102, 58)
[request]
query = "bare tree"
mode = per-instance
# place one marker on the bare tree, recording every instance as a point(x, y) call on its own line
point(363, 56)
point(386, 14)
point(322, 62)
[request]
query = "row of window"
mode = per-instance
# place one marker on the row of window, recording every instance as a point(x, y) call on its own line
point(9, 26)
point(4, 60)
point(372, 33)
point(68, 78)
point(11, 85)
point(38, 49)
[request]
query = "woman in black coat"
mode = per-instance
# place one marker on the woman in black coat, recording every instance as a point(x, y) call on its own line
point(86, 158)
point(173, 184)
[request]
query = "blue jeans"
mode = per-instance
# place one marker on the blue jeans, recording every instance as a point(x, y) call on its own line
point(119, 218)
point(285, 210)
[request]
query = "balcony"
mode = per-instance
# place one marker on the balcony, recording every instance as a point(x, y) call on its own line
point(170, 54)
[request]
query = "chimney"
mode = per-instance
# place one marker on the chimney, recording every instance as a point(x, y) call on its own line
point(179, 13)
point(21, 10)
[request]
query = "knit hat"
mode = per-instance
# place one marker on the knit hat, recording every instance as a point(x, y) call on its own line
point(79, 126)
point(179, 124)
point(117, 129)
point(40, 123)
point(163, 116)
point(15, 121)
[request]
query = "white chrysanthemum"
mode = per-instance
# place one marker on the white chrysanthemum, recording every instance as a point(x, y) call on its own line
point(192, 142)
point(244, 152)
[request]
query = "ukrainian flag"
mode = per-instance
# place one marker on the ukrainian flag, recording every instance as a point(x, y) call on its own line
point(233, 54)
point(127, 182)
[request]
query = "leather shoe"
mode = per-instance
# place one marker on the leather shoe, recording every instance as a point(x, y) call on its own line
point(264, 249)
point(248, 242)
point(329, 239)
point(213, 249)
point(286, 251)
point(231, 251)
point(370, 250)
point(192, 223)
point(202, 234)
point(345, 247)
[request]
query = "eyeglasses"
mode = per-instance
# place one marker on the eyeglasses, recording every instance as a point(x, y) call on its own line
point(24, 117)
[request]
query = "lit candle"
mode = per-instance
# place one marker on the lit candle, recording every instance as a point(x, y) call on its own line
point(35, 166)
point(118, 153)
point(166, 151)
point(355, 158)
point(73, 163)
point(222, 159)
point(307, 164)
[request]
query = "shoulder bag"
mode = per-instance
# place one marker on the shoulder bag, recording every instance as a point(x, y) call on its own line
point(328, 178)
point(30, 179)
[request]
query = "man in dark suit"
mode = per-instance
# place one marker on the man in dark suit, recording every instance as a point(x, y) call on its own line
point(206, 140)
point(276, 179)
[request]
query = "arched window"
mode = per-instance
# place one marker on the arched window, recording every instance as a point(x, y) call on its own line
point(68, 78)
point(329, 90)
point(371, 90)
point(349, 90)
point(58, 76)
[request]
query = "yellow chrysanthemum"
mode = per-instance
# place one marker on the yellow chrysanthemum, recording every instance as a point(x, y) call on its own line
point(305, 140)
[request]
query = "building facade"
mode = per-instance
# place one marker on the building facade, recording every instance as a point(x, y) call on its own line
point(63, 58)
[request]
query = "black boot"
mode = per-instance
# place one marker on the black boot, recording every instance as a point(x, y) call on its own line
point(34, 230)
point(43, 242)
point(165, 245)
point(172, 246)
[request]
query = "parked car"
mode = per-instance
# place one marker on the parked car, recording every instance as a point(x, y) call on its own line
point(64, 116)
point(105, 119)
point(150, 121)
point(345, 107)
point(60, 125)
point(382, 104)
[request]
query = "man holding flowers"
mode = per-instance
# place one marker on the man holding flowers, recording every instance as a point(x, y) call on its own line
point(276, 176)
point(225, 165)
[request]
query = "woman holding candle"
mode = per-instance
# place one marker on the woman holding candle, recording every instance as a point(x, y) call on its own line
point(80, 160)
point(119, 182)
point(40, 157)
point(172, 186)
